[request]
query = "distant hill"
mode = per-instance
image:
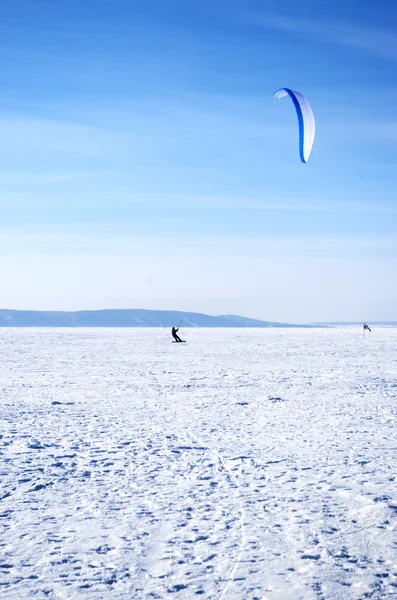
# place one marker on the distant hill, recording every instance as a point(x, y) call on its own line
point(126, 318)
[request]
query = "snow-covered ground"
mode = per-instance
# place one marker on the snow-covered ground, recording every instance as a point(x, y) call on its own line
point(245, 464)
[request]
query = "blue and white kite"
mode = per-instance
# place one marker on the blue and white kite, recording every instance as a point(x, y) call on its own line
point(305, 119)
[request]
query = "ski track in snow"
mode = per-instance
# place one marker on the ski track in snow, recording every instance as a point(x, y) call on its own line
point(245, 464)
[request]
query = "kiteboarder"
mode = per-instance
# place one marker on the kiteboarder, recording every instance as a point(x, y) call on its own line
point(175, 336)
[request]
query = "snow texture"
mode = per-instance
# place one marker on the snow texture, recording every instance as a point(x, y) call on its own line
point(245, 464)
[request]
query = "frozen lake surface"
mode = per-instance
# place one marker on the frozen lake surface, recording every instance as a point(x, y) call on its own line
point(245, 464)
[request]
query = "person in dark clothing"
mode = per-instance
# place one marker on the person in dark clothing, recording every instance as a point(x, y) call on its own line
point(175, 334)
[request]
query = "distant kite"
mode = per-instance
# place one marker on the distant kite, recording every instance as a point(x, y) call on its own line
point(365, 327)
point(306, 122)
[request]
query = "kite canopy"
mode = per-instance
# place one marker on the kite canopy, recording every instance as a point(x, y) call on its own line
point(305, 120)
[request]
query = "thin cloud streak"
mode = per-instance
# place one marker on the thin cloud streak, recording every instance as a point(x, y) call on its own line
point(377, 41)
point(29, 239)
point(121, 197)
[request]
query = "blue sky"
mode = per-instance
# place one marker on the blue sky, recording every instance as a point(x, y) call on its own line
point(144, 162)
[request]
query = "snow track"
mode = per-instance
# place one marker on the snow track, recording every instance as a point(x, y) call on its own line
point(246, 464)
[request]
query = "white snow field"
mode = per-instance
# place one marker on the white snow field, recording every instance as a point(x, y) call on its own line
point(244, 464)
